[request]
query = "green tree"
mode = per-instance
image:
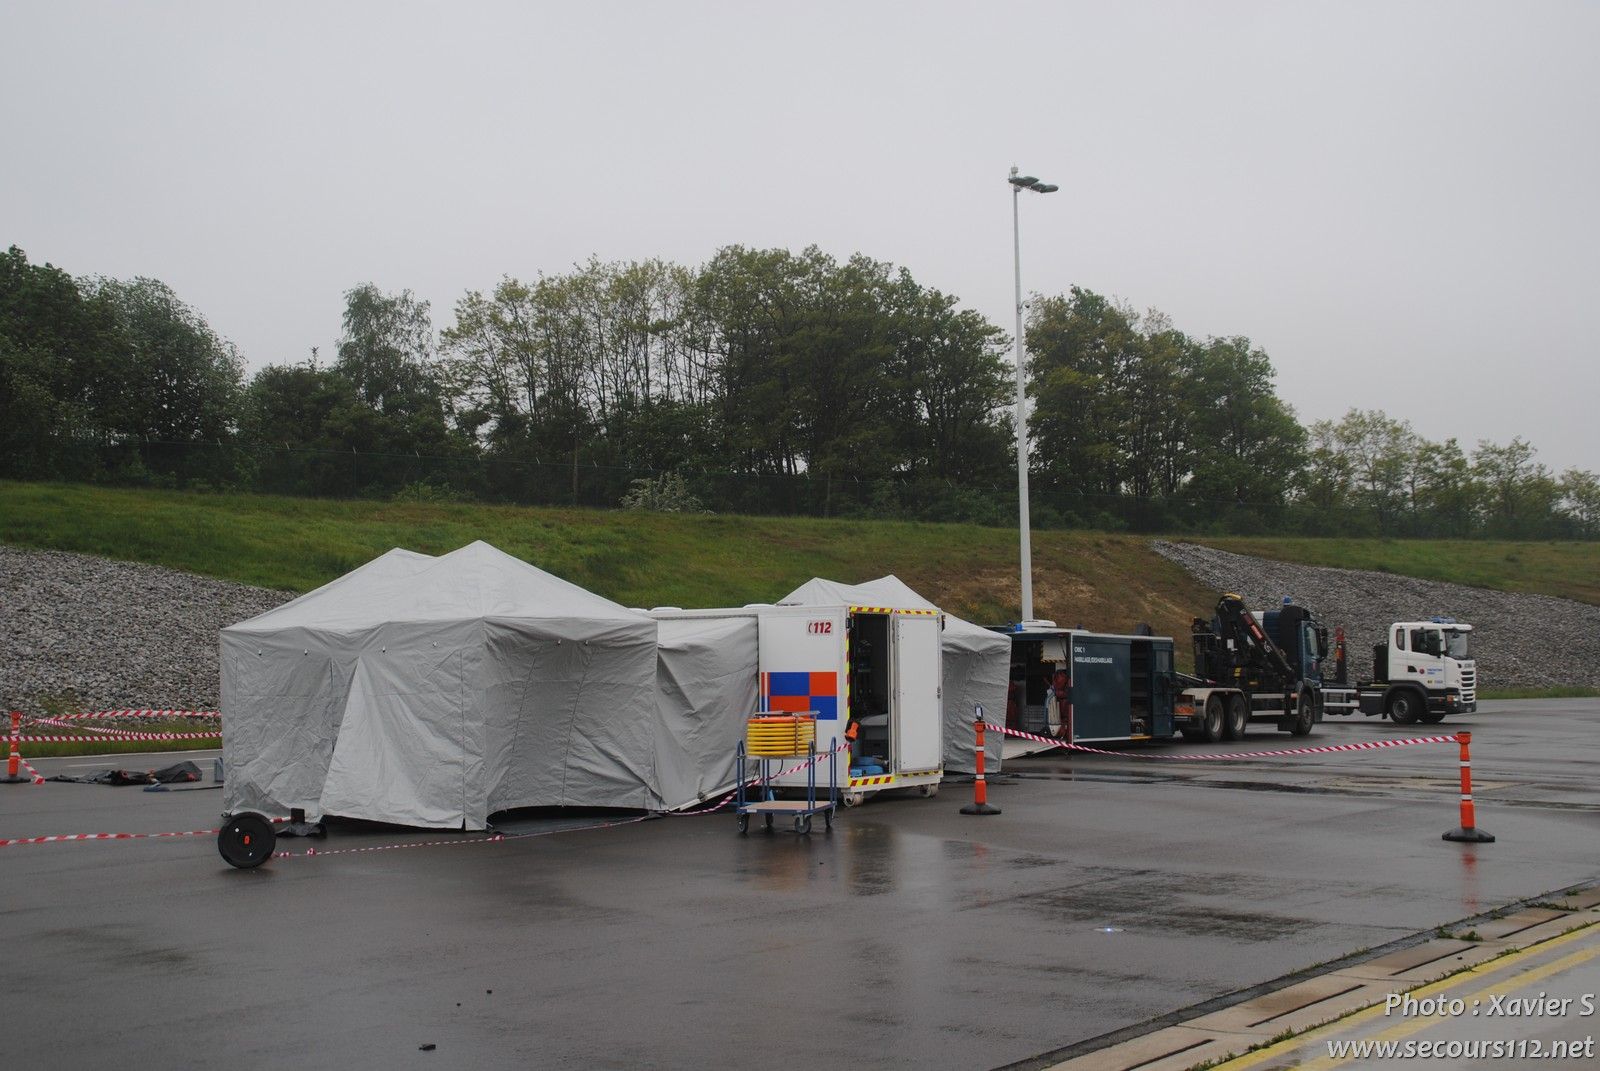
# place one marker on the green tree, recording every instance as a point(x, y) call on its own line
point(1519, 494)
point(1081, 347)
point(63, 372)
point(1448, 493)
point(1580, 501)
point(183, 380)
point(1248, 446)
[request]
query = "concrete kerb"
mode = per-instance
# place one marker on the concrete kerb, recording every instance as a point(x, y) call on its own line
point(1232, 1025)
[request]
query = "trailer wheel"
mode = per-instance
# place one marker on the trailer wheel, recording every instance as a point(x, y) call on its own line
point(246, 840)
point(1305, 716)
point(1402, 707)
point(1238, 723)
point(1214, 719)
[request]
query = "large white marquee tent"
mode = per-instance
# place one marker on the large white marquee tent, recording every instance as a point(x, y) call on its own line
point(436, 691)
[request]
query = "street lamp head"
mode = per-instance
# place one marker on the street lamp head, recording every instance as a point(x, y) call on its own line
point(1023, 180)
point(1043, 187)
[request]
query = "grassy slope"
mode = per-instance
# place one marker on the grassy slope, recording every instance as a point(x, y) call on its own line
point(1568, 570)
point(1104, 582)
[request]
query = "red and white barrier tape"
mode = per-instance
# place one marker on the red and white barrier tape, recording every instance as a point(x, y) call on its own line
point(56, 723)
point(725, 800)
point(312, 853)
point(64, 838)
point(114, 739)
point(36, 777)
point(111, 733)
point(497, 838)
point(107, 715)
point(1365, 745)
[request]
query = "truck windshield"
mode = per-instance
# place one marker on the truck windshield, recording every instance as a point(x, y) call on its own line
point(1458, 645)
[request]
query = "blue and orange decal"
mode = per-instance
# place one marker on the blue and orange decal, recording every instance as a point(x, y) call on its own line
point(796, 693)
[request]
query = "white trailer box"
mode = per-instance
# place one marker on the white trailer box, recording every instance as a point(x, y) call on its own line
point(879, 667)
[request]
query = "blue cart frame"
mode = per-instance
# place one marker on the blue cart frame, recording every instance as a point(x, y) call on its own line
point(764, 803)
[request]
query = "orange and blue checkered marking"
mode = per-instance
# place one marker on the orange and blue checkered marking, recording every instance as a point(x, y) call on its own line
point(796, 693)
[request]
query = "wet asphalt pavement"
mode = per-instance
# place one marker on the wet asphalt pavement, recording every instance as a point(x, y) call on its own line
point(1112, 890)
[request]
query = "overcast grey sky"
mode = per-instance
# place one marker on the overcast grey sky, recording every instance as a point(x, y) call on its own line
point(1397, 200)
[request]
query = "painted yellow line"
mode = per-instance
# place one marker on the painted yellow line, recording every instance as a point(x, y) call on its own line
point(1482, 970)
point(1511, 985)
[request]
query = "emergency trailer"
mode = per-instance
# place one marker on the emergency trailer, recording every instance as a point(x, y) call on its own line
point(871, 675)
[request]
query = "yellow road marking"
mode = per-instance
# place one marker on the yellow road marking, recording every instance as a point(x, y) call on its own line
point(1484, 970)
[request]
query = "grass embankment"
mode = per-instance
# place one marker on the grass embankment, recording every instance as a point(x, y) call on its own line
point(1100, 581)
point(1565, 570)
point(1107, 582)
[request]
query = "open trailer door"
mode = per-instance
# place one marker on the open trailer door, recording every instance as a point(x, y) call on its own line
point(918, 703)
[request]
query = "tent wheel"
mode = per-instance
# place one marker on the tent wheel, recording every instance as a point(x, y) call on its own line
point(246, 840)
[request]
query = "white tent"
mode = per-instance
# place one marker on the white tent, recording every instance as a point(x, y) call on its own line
point(977, 661)
point(437, 691)
point(706, 688)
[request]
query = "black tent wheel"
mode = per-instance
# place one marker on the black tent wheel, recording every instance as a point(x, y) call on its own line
point(246, 840)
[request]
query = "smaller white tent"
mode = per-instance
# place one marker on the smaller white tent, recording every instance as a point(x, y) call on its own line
point(977, 662)
point(706, 688)
point(437, 691)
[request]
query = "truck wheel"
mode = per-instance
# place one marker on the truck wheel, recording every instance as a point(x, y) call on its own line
point(1214, 719)
point(1305, 716)
point(1238, 723)
point(1431, 717)
point(1402, 707)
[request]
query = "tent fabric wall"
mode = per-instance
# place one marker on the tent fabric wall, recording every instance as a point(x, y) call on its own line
point(707, 685)
point(435, 691)
point(977, 661)
point(284, 691)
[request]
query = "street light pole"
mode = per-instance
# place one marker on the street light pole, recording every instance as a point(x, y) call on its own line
point(1018, 184)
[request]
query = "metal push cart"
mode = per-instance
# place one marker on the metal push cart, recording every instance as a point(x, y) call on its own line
point(770, 740)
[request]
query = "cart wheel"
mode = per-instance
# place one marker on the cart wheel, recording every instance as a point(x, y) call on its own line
point(769, 823)
point(827, 820)
point(246, 840)
point(929, 791)
point(744, 823)
point(802, 824)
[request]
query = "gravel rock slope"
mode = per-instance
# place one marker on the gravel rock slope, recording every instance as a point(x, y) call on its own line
point(96, 634)
point(1529, 641)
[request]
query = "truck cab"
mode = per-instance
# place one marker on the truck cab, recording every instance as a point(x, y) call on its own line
point(1423, 671)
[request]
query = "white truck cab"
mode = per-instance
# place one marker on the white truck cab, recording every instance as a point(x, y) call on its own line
point(1423, 671)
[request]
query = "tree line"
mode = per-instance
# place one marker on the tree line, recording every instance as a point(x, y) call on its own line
point(763, 381)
